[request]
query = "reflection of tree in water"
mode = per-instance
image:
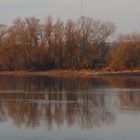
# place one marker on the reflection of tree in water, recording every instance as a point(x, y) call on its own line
point(51, 84)
point(84, 110)
point(60, 101)
point(130, 101)
point(121, 82)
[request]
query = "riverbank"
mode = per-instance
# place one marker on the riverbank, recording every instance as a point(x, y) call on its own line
point(69, 73)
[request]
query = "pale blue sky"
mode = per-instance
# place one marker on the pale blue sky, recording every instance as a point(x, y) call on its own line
point(124, 13)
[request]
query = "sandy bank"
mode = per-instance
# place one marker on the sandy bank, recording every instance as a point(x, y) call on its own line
point(69, 73)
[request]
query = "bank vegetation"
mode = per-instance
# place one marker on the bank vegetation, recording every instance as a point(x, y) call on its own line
point(29, 44)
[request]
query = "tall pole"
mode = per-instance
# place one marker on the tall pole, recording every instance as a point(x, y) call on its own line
point(81, 8)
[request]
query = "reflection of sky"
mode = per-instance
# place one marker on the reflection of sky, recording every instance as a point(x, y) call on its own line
point(124, 13)
point(125, 128)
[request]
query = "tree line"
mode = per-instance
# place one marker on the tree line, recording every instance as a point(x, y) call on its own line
point(28, 44)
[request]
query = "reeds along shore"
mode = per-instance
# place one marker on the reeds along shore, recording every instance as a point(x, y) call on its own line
point(28, 44)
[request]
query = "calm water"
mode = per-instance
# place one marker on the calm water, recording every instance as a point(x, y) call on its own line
point(41, 108)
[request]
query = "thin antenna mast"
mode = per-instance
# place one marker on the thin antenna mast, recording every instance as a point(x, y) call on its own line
point(81, 8)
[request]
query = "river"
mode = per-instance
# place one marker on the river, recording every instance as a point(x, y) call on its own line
point(45, 108)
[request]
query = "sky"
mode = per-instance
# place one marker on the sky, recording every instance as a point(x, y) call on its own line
point(123, 13)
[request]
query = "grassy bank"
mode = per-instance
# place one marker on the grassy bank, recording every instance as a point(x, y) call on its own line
point(69, 73)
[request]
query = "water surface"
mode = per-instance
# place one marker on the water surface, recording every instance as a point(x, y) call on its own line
point(40, 108)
